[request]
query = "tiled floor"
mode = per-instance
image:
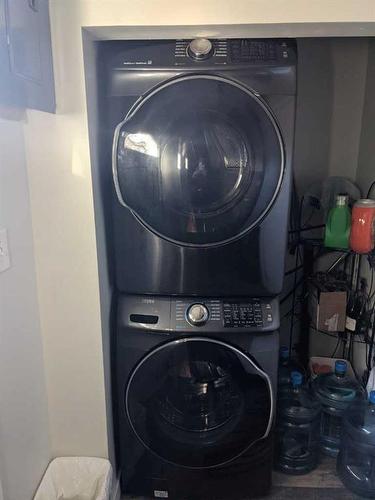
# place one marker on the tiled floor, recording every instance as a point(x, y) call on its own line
point(321, 484)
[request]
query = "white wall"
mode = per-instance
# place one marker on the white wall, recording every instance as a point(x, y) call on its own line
point(335, 129)
point(366, 164)
point(349, 68)
point(313, 113)
point(24, 432)
point(352, 137)
point(331, 91)
point(65, 249)
point(366, 159)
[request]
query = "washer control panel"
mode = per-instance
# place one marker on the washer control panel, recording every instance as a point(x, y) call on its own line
point(253, 314)
point(197, 315)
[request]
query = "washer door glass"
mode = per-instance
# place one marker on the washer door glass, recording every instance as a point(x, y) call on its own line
point(199, 160)
point(198, 402)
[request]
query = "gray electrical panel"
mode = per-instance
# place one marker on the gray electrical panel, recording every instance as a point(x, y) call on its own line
point(26, 55)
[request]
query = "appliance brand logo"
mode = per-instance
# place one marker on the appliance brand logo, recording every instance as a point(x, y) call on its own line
point(138, 63)
point(148, 301)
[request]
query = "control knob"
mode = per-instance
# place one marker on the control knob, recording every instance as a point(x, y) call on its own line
point(200, 49)
point(197, 314)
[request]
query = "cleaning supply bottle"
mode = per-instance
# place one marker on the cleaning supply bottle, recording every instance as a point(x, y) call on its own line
point(337, 229)
point(362, 233)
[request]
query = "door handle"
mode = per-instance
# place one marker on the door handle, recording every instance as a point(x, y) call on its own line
point(33, 5)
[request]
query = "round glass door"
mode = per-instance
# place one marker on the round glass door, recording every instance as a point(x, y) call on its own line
point(198, 402)
point(199, 160)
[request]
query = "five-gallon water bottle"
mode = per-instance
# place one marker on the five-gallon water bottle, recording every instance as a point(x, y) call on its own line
point(297, 429)
point(336, 391)
point(356, 460)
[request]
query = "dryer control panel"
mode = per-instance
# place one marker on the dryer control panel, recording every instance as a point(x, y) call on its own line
point(203, 53)
point(265, 65)
point(233, 51)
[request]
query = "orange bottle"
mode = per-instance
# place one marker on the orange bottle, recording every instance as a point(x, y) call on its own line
point(362, 232)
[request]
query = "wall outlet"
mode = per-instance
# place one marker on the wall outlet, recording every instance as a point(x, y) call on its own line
point(4, 251)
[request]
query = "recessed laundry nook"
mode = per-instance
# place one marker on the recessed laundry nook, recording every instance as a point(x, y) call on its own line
point(187, 233)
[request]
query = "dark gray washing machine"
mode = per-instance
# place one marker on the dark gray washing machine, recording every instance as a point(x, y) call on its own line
point(196, 386)
point(202, 156)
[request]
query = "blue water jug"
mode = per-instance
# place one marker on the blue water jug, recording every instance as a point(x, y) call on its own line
point(336, 391)
point(356, 460)
point(297, 429)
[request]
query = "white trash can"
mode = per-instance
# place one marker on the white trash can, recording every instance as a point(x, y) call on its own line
point(76, 478)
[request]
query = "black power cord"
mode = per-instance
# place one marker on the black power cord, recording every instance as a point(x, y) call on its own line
point(335, 336)
point(371, 342)
point(295, 269)
point(336, 347)
point(370, 189)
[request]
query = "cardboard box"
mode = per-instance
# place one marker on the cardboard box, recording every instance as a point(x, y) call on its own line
point(328, 362)
point(327, 309)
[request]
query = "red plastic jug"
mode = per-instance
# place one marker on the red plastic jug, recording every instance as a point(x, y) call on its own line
point(362, 232)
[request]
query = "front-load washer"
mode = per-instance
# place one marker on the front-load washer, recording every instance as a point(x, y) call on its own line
point(202, 156)
point(195, 396)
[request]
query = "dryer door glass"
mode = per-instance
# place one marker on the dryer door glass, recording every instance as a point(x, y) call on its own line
point(199, 160)
point(198, 402)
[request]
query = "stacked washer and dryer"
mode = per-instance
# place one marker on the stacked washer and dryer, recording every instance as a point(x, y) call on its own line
point(202, 156)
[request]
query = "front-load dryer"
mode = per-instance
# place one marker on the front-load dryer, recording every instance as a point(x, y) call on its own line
point(195, 396)
point(202, 156)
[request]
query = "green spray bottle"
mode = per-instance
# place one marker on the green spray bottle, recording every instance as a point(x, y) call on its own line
point(337, 229)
